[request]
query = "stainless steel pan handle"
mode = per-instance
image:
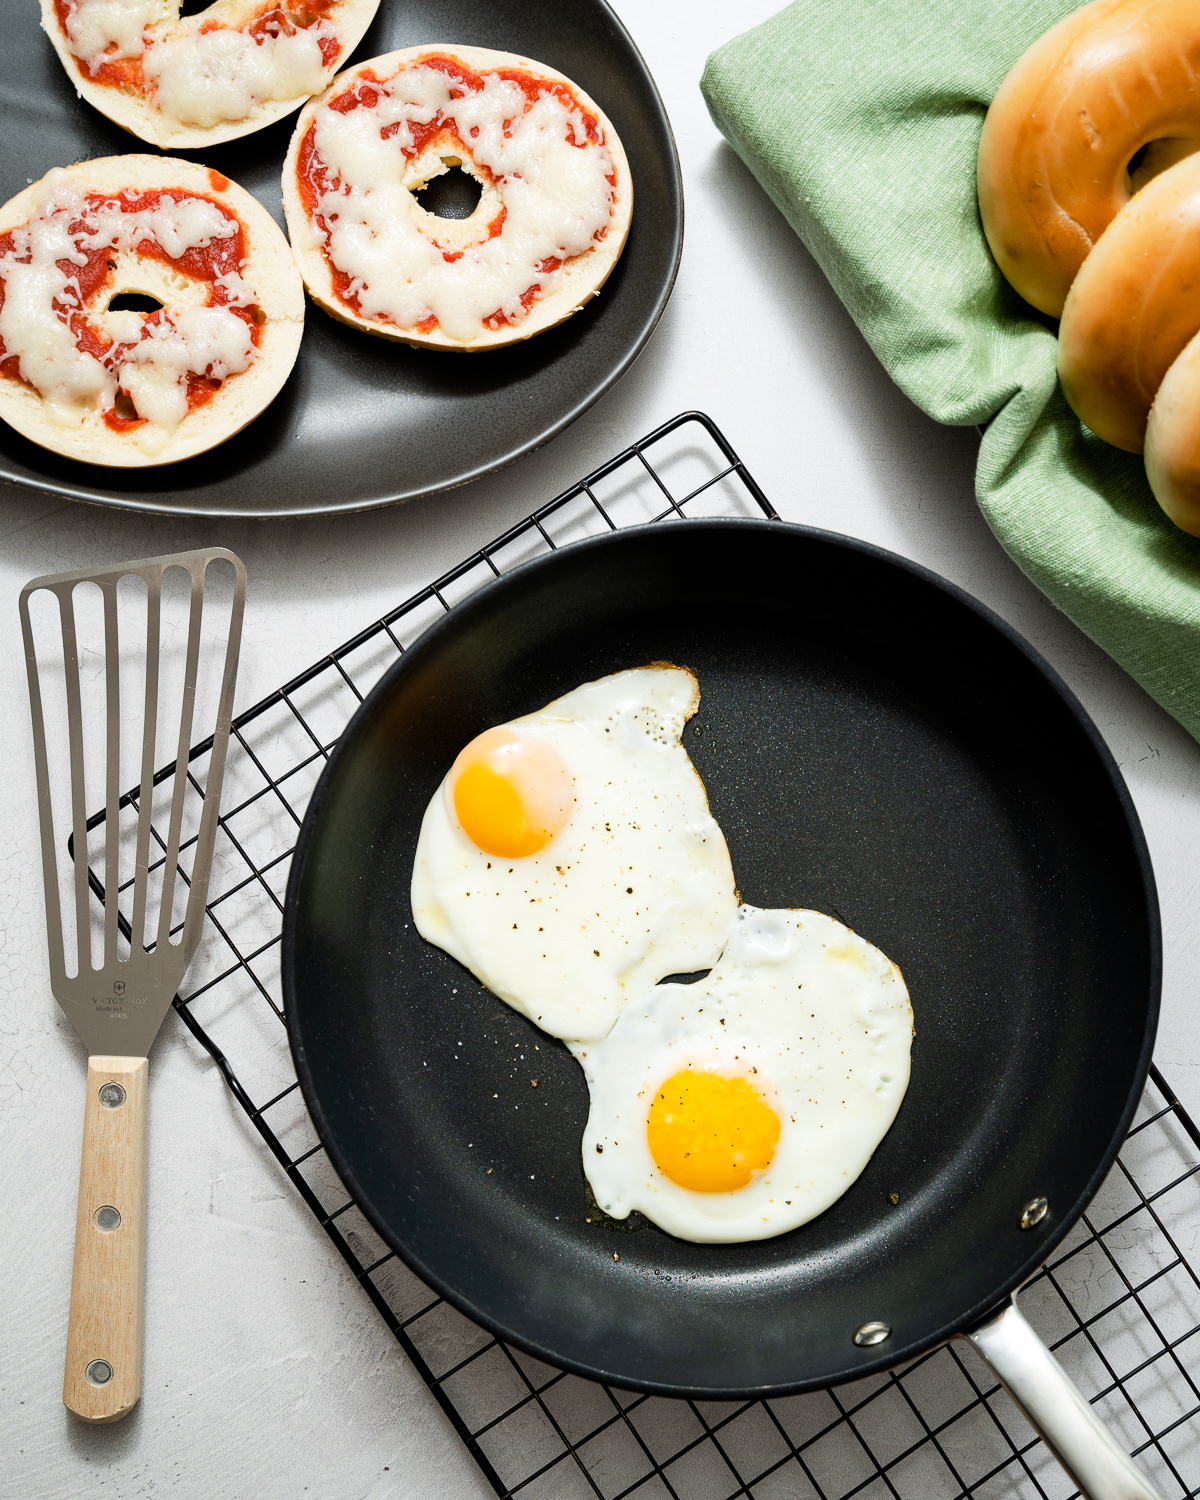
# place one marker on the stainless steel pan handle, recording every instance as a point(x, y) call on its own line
point(1070, 1428)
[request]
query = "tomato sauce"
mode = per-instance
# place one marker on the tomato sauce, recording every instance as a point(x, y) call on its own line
point(200, 263)
point(313, 178)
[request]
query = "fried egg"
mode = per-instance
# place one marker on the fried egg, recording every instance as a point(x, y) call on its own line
point(569, 858)
point(743, 1105)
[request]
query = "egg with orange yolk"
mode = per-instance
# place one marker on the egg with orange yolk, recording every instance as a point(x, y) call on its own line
point(710, 1132)
point(510, 792)
point(569, 858)
point(743, 1105)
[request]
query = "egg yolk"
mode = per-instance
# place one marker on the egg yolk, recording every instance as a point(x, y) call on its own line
point(511, 793)
point(709, 1133)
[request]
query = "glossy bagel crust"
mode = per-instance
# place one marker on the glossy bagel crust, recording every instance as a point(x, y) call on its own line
point(578, 280)
point(1054, 156)
point(1173, 441)
point(1133, 308)
point(270, 271)
point(136, 111)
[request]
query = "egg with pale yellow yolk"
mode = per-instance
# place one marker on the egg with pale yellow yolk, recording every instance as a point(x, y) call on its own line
point(743, 1105)
point(569, 858)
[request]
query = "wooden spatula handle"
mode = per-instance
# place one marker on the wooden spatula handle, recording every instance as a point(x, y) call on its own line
point(103, 1378)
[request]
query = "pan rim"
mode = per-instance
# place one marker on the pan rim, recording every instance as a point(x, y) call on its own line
point(1045, 1245)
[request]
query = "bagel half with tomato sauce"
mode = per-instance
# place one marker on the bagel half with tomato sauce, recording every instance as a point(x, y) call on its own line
point(186, 82)
point(129, 387)
point(555, 197)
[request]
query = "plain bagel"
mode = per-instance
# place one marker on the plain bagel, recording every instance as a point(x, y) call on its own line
point(1173, 441)
point(551, 221)
point(186, 82)
point(1112, 80)
point(1129, 343)
point(125, 387)
point(1123, 328)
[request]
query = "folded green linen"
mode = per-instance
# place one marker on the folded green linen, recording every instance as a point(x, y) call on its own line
point(862, 120)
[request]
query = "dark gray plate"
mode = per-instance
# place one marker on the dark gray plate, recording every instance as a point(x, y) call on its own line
point(363, 422)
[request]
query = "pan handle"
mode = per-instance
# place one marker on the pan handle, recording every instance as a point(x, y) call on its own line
point(1035, 1380)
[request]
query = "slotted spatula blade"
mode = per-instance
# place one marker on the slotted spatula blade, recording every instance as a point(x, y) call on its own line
point(118, 1007)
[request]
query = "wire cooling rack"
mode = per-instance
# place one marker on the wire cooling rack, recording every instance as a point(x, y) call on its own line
point(1119, 1303)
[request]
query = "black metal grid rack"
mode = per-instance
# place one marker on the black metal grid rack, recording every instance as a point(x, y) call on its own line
point(1119, 1303)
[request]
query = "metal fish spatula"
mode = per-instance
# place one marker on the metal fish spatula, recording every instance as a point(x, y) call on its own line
point(117, 1005)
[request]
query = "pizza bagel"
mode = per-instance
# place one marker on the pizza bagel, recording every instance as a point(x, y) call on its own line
point(185, 82)
point(555, 197)
point(212, 333)
point(1097, 107)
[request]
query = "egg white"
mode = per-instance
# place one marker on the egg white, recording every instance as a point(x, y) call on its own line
point(807, 1011)
point(636, 886)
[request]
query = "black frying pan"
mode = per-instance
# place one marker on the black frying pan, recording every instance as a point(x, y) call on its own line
point(876, 745)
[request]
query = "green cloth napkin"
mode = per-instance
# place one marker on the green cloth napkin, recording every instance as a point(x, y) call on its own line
point(862, 121)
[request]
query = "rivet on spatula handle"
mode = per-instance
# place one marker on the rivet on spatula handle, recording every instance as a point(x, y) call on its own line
point(103, 1377)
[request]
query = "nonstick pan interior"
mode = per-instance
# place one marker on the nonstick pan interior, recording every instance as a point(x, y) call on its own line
point(875, 745)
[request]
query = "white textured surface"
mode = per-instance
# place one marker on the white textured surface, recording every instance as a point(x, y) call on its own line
point(267, 1371)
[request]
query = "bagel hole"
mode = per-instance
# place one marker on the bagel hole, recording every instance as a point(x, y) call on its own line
point(134, 302)
point(452, 195)
point(124, 408)
point(193, 7)
point(1155, 157)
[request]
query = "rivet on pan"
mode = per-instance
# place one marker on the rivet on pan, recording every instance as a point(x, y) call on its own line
point(107, 1218)
point(871, 1333)
point(1033, 1213)
point(112, 1095)
point(99, 1372)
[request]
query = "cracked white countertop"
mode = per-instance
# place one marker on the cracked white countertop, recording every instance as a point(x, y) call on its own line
point(267, 1371)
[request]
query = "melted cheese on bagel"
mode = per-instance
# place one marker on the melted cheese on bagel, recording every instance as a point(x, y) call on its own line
point(77, 363)
point(232, 68)
point(554, 195)
point(136, 384)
